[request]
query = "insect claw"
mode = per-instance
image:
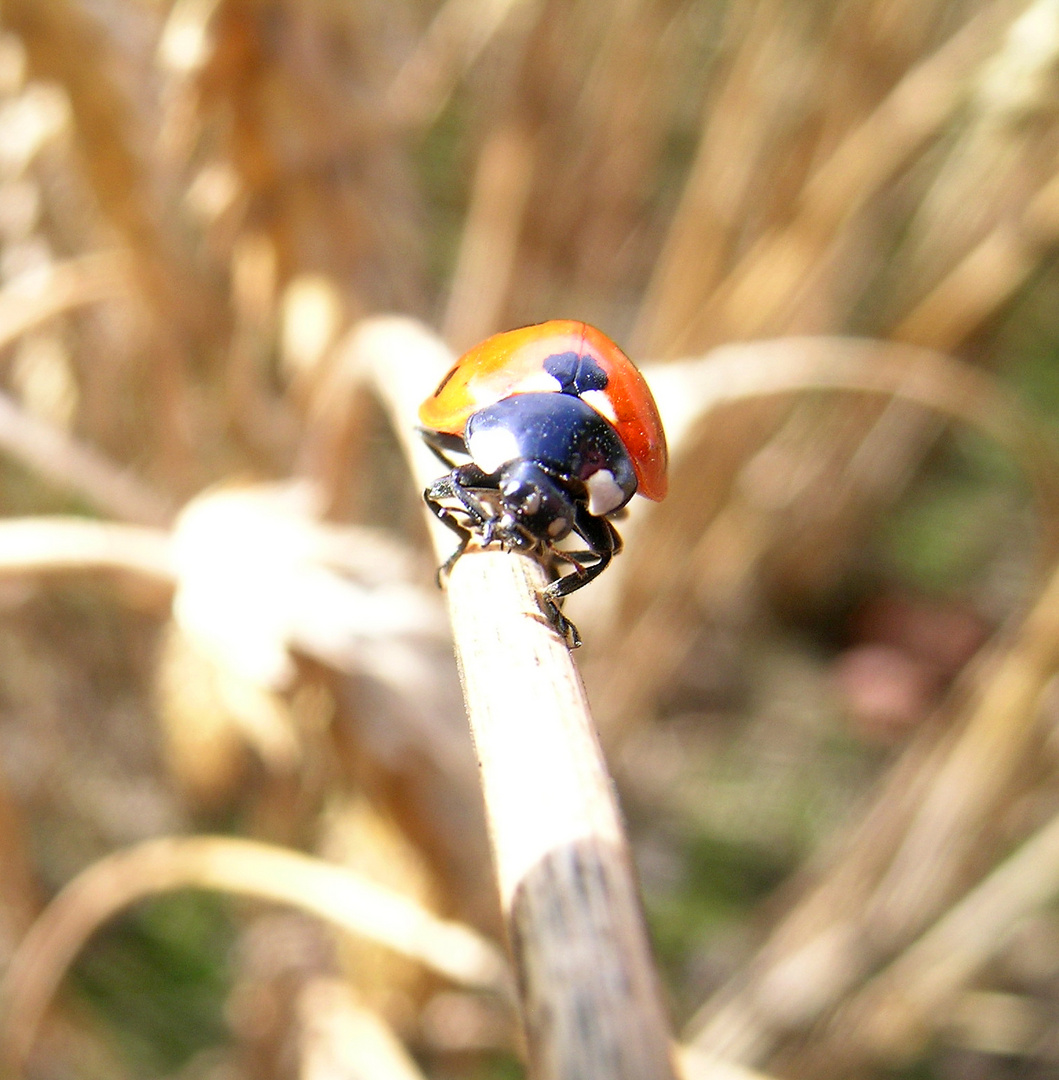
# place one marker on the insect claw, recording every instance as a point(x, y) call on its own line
point(560, 623)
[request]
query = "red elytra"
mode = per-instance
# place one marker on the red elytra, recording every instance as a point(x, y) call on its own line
point(513, 363)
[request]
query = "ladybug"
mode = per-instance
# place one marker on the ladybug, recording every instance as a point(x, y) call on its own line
point(561, 431)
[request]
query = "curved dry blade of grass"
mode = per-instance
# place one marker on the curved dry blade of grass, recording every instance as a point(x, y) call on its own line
point(59, 37)
point(453, 41)
point(722, 185)
point(987, 276)
point(489, 246)
point(184, 41)
point(590, 998)
point(970, 244)
point(688, 391)
point(696, 1065)
point(83, 471)
point(918, 842)
point(341, 1037)
point(39, 295)
point(899, 1008)
point(968, 784)
point(342, 897)
point(254, 583)
point(761, 293)
point(25, 304)
point(69, 544)
point(911, 113)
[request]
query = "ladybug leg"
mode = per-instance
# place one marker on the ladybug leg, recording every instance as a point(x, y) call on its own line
point(603, 543)
point(460, 485)
point(455, 487)
point(441, 445)
point(586, 564)
point(563, 626)
point(448, 518)
point(576, 559)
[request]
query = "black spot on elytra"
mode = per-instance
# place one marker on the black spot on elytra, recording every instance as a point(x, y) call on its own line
point(576, 373)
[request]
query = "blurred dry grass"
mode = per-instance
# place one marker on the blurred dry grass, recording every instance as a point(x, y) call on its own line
point(824, 668)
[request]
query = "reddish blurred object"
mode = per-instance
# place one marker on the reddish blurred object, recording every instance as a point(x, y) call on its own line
point(904, 652)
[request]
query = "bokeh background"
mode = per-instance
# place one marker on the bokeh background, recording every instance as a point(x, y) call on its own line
point(823, 670)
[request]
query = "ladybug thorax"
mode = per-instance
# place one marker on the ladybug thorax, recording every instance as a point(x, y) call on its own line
point(545, 441)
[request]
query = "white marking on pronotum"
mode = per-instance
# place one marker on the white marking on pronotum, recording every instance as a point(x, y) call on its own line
point(604, 494)
point(558, 527)
point(492, 447)
point(601, 403)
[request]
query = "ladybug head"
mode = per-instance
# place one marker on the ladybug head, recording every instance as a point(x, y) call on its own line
point(534, 508)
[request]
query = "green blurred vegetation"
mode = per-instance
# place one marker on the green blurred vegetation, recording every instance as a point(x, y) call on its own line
point(160, 977)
